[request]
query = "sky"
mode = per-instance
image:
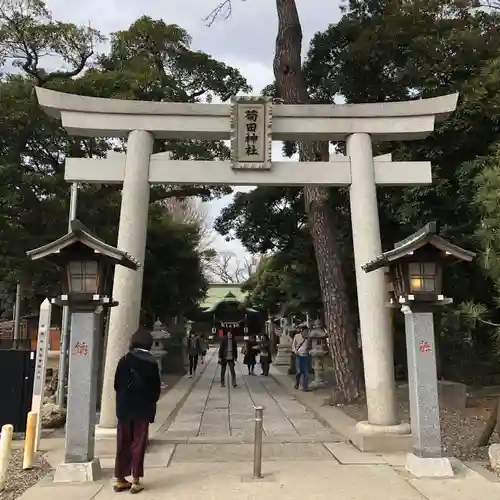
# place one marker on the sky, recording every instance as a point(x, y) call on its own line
point(245, 40)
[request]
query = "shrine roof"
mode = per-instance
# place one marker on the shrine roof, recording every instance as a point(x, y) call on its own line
point(222, 292)
point(424, 236)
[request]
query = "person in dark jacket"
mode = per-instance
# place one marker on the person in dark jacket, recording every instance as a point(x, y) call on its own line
point(194, 350)
point(265, 355)
point(228, 354)
point(137, 387)
point(204, 348)
point(250, 358)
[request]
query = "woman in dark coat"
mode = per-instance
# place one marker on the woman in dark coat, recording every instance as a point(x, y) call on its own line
point(194, 350)
point(250, 358)
point(137, 387)
point(265, 355)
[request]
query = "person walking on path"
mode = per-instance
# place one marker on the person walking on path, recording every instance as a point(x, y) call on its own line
point(301, 348)
point(194, 350)
point(204, 348)
point(228, 354)
point(265, 355)
point(250, 355)
point(137, 387)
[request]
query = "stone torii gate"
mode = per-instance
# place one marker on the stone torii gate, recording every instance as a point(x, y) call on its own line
point(357, 124)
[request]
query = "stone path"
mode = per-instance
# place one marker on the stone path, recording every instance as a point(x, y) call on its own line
point(212, 412)
point(203, 449)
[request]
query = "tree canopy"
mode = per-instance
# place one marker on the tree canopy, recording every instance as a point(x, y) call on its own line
point(380, 51)
point(150, 60)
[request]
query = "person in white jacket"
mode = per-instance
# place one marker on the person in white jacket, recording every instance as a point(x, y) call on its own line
point(301, 348)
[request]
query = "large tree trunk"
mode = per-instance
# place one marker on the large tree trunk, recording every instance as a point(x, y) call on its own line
point(292, 89)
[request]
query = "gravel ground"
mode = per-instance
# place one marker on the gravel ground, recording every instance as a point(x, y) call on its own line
point(460, 429)
point(19, 480)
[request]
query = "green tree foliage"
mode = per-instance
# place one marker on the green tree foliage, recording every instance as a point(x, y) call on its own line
point(388, 51)
point(272, 220)
point(267, 218)
point(385, 51)
point(173, 275)
point(382, 50)
point(285, 283)
point(487, 316)
point(151, 61)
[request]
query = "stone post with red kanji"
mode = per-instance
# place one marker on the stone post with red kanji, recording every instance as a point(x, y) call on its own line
point(423, 386)
point(86, 330)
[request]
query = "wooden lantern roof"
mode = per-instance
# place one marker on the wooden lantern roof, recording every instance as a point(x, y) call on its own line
point(424, 236)
point(81, 236)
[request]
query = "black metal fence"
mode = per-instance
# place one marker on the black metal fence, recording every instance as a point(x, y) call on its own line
point(17, 369)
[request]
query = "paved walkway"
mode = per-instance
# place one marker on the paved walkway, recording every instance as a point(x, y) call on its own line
point(218, 413)
point(202, 448)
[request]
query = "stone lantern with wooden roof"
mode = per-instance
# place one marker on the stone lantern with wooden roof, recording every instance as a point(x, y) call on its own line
point(87, 263)
point(416, 270)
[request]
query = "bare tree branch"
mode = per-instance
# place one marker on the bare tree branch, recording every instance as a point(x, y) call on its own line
point(224, 9)
point(225, 267)
point(192, 211)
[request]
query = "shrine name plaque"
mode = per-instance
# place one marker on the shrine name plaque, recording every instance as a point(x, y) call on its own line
point(251, 133)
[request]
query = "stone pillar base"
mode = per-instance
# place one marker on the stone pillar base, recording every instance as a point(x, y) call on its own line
point(428, 467)
point(365, 428)
point(78, 472)
point(105, 432)
point(283, 357)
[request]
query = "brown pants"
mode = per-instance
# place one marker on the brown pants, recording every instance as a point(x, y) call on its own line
point(131, 443)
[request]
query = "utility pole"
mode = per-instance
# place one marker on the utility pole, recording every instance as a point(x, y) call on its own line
point(65, 333)
point(17, 312)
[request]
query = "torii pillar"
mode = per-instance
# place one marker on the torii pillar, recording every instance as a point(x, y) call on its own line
point(127, 284)
point(357, 124)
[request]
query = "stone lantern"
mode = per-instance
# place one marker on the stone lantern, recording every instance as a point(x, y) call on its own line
point(285, 345)
point(159, 334)
point(87, 265)
point(416, 269)
point(318, 351)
